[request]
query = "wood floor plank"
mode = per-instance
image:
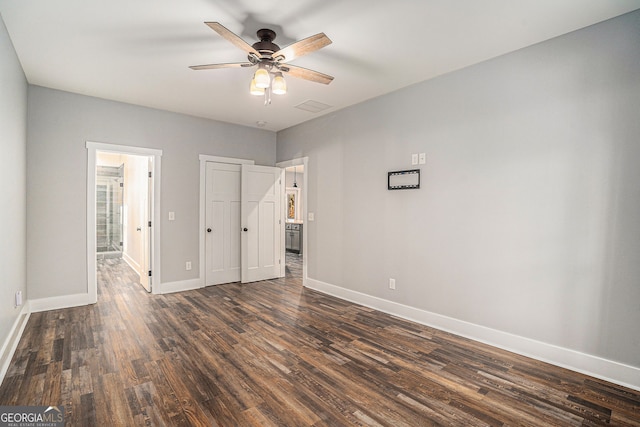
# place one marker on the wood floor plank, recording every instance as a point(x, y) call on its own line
point(273, 353)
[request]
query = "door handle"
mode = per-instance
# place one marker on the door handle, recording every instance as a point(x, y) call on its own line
point(245, 229)
point(208, 230)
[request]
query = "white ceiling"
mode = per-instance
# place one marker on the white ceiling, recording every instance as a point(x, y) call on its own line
point(138, 51)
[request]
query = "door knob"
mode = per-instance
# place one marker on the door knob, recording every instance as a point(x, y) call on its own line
point(245, 229)
point(208, 230)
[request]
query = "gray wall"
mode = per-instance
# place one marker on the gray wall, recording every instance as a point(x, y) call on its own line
point(528, 216)
point(59, 124)
point(13, 140)
point(290, 178)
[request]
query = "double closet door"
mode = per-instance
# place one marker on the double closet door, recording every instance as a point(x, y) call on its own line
point(243, 223)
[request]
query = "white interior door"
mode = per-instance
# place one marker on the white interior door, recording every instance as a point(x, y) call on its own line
point(145, 279)
point(261, 222)
point(222, 243)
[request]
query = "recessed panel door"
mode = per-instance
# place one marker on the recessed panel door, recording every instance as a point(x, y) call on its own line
point(222, 225)
point(260, 222)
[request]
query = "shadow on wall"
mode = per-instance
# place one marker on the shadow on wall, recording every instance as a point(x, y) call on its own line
point(620, 297)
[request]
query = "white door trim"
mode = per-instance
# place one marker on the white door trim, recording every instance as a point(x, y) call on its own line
point(305, 228)
point(92, 149)
point(204, 158)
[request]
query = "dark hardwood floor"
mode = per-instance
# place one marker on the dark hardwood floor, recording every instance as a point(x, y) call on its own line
point(274, 353)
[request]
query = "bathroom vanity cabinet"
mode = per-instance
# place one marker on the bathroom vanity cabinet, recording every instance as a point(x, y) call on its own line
point(293, 237)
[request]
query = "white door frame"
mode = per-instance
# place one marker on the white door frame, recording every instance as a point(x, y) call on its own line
point(154, 215)
point(204, 158)
point(305, 229)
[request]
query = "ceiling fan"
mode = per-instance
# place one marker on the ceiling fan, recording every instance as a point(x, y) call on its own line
point(271, 59)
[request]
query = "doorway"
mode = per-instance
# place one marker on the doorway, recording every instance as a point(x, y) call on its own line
point(123, 196)
point(296, 217)
point(122, 202)
point(294, 220)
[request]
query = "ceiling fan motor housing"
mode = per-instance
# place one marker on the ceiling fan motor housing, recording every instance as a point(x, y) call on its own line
point(265, 46)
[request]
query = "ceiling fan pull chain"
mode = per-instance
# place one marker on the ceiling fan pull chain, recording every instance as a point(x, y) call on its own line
point(267, 96)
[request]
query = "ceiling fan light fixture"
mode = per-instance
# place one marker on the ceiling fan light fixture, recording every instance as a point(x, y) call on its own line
point(254, 90)
point(270, 60)
point(262, 78)
point(279, 85)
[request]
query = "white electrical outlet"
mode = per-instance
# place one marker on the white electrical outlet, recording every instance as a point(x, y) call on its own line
point(312, 217)
point(188, 265)
point(392, 283)
point(172, 216)
point(423, 158)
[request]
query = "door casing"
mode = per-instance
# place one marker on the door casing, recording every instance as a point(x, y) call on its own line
point(154, 215)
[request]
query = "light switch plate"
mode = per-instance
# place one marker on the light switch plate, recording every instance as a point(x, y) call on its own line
point(423, 158)
point(311, 216)
point(172, 216)
point(414, 159)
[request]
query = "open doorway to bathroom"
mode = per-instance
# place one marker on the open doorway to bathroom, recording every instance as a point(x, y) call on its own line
point(295, 218)
point(123, 211)
point(135, 219)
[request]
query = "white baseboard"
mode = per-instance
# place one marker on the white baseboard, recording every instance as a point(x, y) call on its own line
point(179, 286)
point(11, 343)
point(608, 370)
point(131, 262)
point(55, 303)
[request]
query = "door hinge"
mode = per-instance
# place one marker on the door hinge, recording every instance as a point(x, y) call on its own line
point(149, 273)
point(122, 184)
point(149, 174)
point(149, 223)
point(279, 221)
point(279, 261)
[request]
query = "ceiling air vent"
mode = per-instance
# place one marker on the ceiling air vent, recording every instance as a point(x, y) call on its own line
point(313, 106)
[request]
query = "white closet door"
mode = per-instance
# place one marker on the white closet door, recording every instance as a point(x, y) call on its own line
point(222, 264)
point(261, 222)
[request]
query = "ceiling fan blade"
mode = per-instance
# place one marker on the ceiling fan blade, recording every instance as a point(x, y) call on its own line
point(232, 37)
point(302, 47)
point(304, 73)
point(216, 66)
